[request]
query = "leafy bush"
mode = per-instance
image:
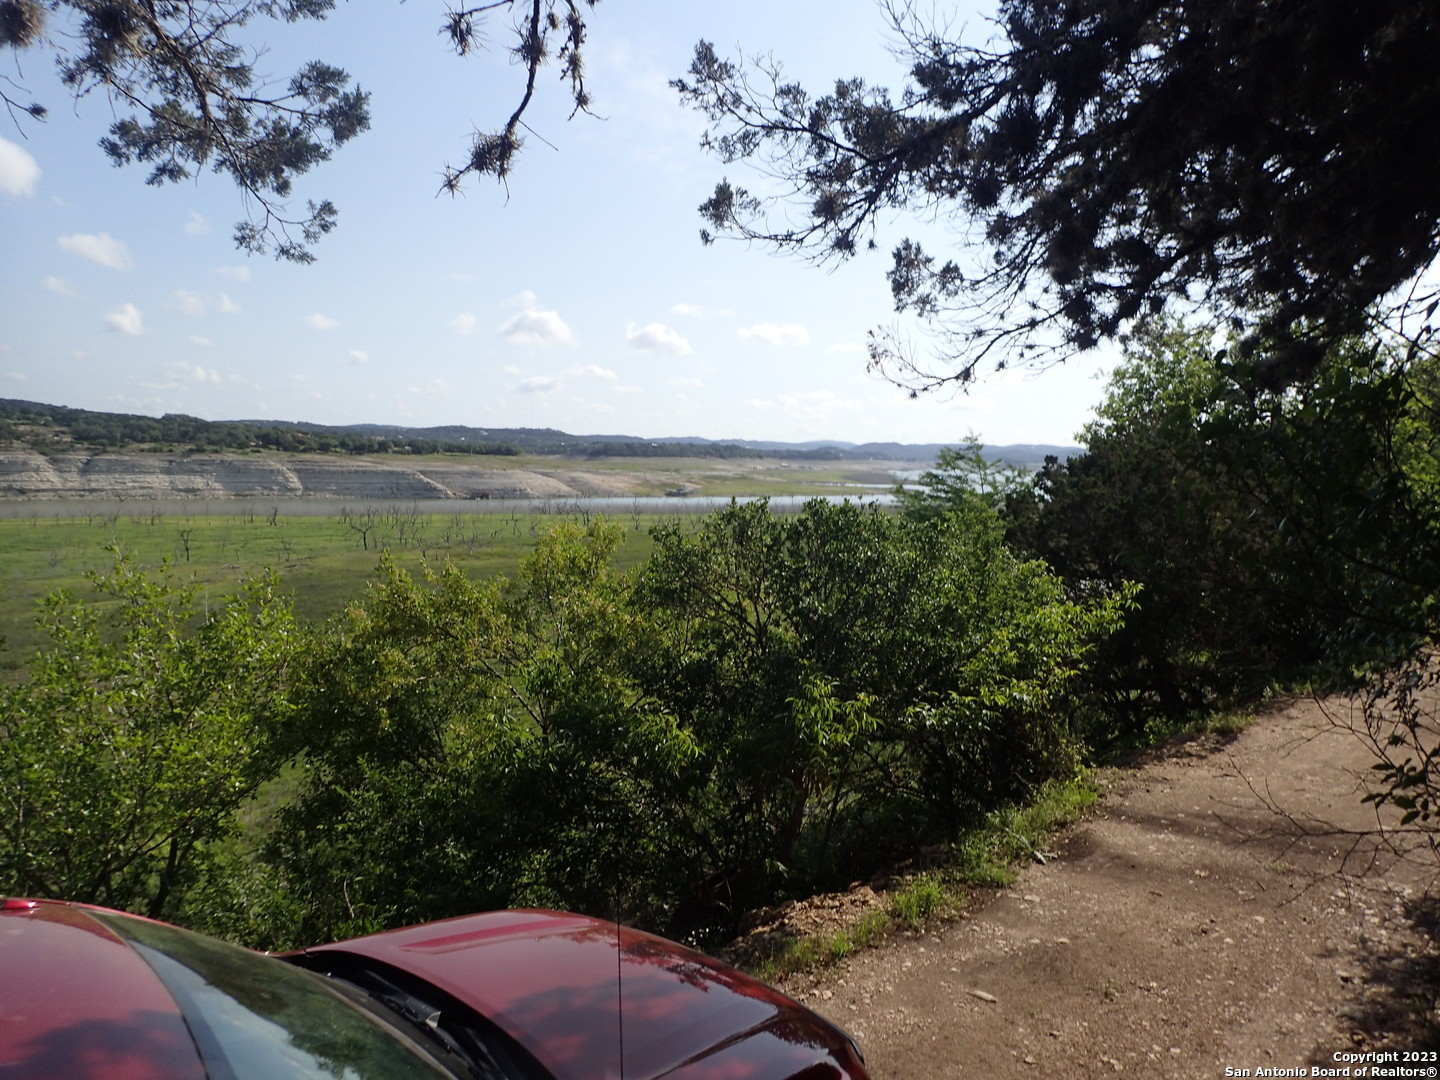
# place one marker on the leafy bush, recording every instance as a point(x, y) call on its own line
point(1278, 535)
point(769, 705)
point(141, 731)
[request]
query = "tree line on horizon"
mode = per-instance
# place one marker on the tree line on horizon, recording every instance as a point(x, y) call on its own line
point(48, 429)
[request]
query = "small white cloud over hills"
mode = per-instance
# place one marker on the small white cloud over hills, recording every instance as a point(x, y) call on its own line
point(535, 327)
point(197, 304)
point(126, 319)
point(790, 334)
point(61, 286)
point(194, 373)
point(657, 337)
point(99, 248)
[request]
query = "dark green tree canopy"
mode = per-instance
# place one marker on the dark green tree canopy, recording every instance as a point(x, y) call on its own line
point(1271, 163)
point(181, 73)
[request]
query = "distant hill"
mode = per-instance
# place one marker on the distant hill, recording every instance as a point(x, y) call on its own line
point(47, 427)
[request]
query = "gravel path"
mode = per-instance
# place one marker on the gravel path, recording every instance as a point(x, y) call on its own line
point(1217, 911)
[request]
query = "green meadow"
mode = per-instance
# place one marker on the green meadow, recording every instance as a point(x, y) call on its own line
point(325, 552)
point(324, 557)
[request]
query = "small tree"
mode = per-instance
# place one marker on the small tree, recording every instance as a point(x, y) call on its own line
point(962, 477)
point(480, 744)
point(139, 734)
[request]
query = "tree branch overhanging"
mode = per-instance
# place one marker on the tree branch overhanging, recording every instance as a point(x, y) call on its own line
point(182, 73)
point(1265, 164)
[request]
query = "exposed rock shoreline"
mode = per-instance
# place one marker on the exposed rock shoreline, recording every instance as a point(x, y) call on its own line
point(25, 474)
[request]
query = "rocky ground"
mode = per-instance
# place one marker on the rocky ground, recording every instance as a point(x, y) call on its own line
point(1228, 905)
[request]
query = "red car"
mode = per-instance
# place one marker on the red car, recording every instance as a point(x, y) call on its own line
point(86, 993)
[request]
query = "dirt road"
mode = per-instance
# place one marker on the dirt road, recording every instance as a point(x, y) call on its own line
point(1213, 913)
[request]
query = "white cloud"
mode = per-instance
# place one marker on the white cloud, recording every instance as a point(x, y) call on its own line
point(196, 223)
point(98, 247)
point(192, 303)
point(539, 384)
point(790, 334)
point(79, 354)
point(681, 384)
point(321, 322)
point(234, 273)
point(524, 300)
point(464, 323)
point(197, 304)
point(595, 371)
point(629, 390)
point(193, 372)
point(533, 327)
point(202, 342)
point(60, 285)
point(126, 319)
point(178, 373)
point(359, 356)
point(657, 337)
point(815, 406)
point(695, 311)
point(18, 376)
point(19, 172)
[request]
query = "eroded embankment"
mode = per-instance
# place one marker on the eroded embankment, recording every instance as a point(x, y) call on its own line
point(25, 474)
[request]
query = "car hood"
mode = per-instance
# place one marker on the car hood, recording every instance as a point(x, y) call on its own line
point(87, 1007)
point(573, 990)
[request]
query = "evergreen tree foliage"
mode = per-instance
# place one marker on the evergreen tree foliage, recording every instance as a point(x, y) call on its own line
point(181, 75)
point(1270, 163)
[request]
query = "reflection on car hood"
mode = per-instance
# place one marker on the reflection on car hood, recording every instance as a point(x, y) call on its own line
point(550, 980)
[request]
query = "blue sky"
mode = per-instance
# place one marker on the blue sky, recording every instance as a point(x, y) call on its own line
point(581, 300)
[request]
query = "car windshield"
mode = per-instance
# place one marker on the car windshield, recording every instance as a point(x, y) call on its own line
point(254, 1018)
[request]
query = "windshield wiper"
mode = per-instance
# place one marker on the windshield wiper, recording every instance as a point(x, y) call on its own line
point(485, 1052)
